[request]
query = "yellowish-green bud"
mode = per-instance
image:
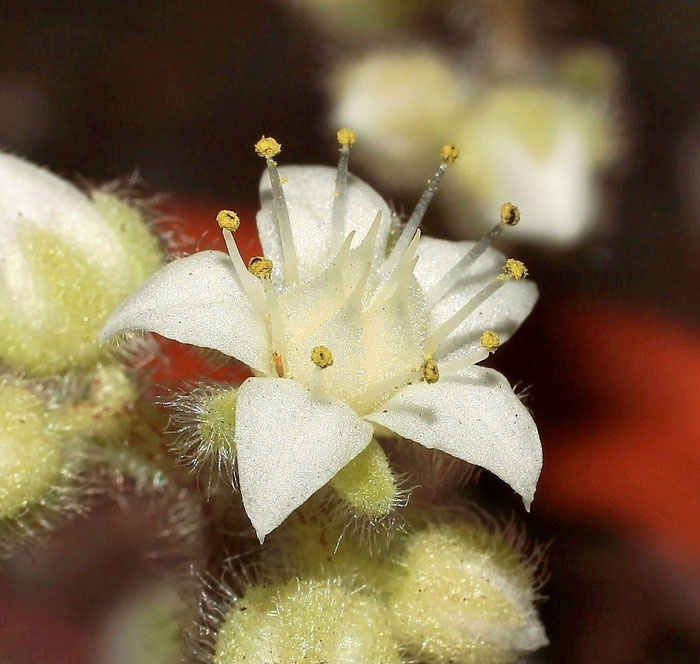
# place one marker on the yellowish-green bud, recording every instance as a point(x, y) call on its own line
point(305, 621)
point(367, 485)
point(145, 629)
point(67, 260)
point(217, 422)
point(460, 594)
point(31, 457)
point(317, 547)
point(106, 414)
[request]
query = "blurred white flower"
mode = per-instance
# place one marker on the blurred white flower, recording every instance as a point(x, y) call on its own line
point(541, 145)
point(346, 334)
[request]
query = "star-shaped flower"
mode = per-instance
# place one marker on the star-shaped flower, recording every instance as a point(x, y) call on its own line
point(349, 332)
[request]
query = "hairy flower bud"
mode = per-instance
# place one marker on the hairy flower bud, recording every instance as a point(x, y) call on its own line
point(367, 485)
point(305, 620)
point(30, 456)
point(66, 261)
point(460, 594)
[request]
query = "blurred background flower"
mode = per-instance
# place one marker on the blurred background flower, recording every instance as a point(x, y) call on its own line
point(586, 115)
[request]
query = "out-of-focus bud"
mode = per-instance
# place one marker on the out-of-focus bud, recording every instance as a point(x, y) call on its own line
point(401, 105)
point(144, 629)
point(305, 620)
point(542, 149)
point(31, 455)
point(590, 71)
point(66, 261)
point(460, 594)
point(362, 18)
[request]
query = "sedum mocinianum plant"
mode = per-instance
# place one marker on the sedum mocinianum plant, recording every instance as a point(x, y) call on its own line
point(361, 337)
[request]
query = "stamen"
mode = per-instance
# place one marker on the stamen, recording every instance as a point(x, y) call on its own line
point(449, 154)
point(346, 138)
point(385, 389)
point(511, 270)
point(490, 341)
point(322, 357)
point(260, 267)
point(268, 148)
point(476, 356)
point(510, 216)
point(430, 371)
point(229, 221)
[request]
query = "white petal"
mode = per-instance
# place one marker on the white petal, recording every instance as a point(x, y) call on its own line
point(289, 445)
point(474, 416)
point(309, 193)
point(504, 311)
point(197, 300)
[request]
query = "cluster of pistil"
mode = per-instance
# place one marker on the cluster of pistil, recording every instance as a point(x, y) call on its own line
point(383, 284)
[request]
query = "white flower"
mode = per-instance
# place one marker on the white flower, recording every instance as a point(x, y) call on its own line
point(346, 337)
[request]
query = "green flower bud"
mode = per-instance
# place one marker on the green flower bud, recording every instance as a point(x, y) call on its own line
point(144, 629)
point(367, 485)
point(31, 455)
point(313, 547)
point(305, 621)
point(66, 261)
point(205, 421)
point(460, 594)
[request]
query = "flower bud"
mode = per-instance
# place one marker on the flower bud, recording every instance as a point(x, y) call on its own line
point(144, 629)
point(367, 485)
point(305, 620)
point(66, 261)
point(403, 106)
point(541, 147)
point(205, 422)
point(460, 594)
point(31, 458)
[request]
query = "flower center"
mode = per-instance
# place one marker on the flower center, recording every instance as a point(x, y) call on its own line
point(358, 329)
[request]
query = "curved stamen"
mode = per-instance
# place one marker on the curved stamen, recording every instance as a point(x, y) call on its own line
point(229, 222)
point(511, 270)
point(346, 138)
point(490, 342)
point(510, 216)
point(269, 148)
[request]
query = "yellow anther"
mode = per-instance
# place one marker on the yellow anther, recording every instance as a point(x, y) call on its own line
point(490, 340)
point(268, 147)
point(228, 220)
point(260, 266)
point(346, 136)
point(510, 214)
point(449, 153)
point(430, 371)
point(284, 179)
point(322, 357)
point(514, 269)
